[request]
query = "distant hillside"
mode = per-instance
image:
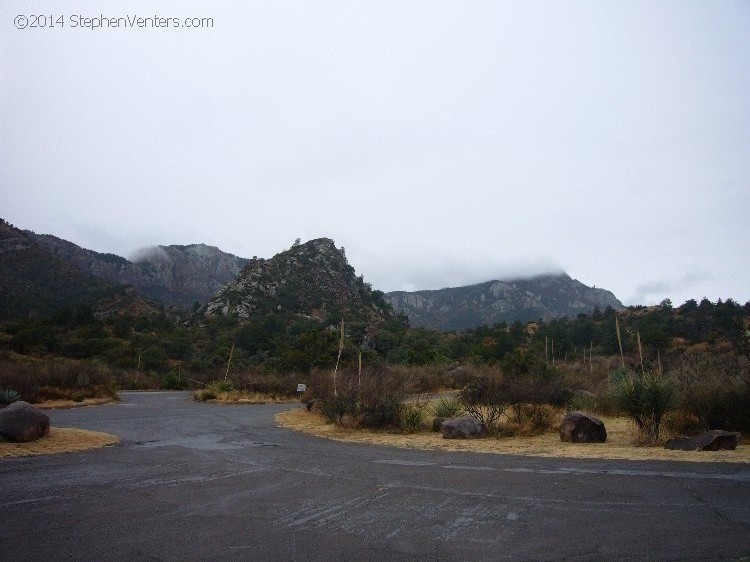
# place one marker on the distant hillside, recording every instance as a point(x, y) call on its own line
point(312, 280)
point(176, 275)
point(459, 308)
point(35, 283)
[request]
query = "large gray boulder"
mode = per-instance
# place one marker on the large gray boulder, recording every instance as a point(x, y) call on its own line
point(463, 428)
point(578, 427)
point(21, 422)
point(713, 440)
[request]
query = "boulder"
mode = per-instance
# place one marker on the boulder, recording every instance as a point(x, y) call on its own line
point(713, 440)
point(21, 422)
point(681, 443)
point(578, 427)
point(463, 428)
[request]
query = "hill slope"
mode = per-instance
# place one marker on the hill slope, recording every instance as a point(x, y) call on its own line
point(459, 308)
point(35, 282)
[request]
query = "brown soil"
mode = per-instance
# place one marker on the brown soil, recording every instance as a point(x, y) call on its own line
point(618, 445)
point(60, 440)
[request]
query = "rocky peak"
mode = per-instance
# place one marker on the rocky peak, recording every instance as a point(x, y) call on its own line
point(313, 279)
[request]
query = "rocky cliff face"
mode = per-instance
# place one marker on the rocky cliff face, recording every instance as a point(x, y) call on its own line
point(459, 308)
point(176, 275)
point(313, 280)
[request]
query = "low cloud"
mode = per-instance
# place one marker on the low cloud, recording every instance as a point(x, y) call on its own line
point(152, 253)
point(662, 288)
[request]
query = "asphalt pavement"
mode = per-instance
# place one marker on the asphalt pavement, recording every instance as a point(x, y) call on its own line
point(196, 481)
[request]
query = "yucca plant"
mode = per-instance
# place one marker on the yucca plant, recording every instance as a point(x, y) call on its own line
point(412, 418)
point(447, 407)
point(8, 396)
point(645, 399)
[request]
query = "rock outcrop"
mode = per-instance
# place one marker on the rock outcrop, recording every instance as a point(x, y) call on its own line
point(312, 280)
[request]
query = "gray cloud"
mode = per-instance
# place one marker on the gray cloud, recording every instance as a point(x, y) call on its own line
point(440, 143)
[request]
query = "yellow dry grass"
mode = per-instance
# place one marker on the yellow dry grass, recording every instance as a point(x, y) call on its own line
point(242, 397)
point(60, 440)
point(618, 445)
point(65, 404)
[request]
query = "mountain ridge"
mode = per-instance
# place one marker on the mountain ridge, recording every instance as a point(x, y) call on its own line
point(522, 299)
point(183, 274)
point(177, 274)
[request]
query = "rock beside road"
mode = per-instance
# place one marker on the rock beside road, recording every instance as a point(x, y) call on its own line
point(463, 428)
point(713, 440)
point(21, 422)
point(578, 427)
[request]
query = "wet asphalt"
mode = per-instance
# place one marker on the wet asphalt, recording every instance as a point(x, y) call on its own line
point(193, 481)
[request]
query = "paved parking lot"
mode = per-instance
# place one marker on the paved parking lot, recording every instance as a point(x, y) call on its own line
point(193, 481)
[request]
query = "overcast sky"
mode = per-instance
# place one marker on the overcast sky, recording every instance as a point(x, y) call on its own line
point(441, 143)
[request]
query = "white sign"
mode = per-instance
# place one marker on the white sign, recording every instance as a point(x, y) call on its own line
point(301, 387)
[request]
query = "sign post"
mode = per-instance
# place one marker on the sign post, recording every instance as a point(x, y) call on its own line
point(301, 387)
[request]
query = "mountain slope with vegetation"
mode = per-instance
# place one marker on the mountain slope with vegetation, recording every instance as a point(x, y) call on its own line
point(460, 308)
point(35, 283)
point(175, 275)
point(312, 280)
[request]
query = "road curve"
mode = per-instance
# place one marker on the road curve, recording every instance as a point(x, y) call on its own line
point(194, 481)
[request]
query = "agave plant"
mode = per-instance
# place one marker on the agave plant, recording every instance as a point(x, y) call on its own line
point(8, 396)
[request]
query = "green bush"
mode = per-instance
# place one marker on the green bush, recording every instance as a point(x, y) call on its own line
point(222, 386)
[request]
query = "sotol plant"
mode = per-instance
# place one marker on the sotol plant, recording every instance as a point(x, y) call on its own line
point(645, 399)
point(8, 396)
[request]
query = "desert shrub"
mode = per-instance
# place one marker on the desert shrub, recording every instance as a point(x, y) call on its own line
point(447, 407)
point(207, 393)
point(173, 382)
point(374, 399)
point(485, 398)
point(583, 403)
point(645, 398)
point(222, 385)
point(57, 379)
point(682, 422)
point(530, 419)
point(8, 396)
point(715, 389)
point(412, 418)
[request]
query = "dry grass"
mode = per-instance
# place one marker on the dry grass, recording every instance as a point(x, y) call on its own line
point(60, 440)
point(618, 445)
point(243, 397)
point(66, 404)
